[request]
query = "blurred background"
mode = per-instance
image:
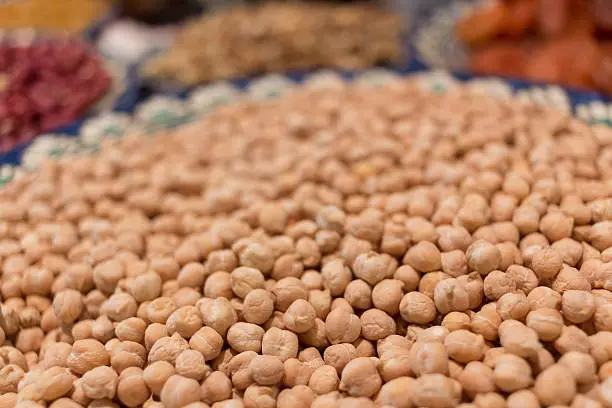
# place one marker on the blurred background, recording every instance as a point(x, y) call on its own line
point(69, 63)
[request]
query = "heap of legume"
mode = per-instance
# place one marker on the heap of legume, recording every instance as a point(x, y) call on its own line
point(345, 247)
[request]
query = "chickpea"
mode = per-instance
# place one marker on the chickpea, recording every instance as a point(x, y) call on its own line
point(416, 307)
point(408, 276)
point(456, 321)
point(156, 374)
point(185, 321)
point(546, 322)
point(360, 378)
point(336, 277)
point(572, 339)
point(376, 325)
point(483, 257)
point(266, 370)
point(100, 383)
point(512, 373)
point(342, 327)
point(464, 346)
point(436, 390)
point(373, 267)
point(476, 378)
point(131, 329)
point(428, 358)
point(216, 387)
point(179, 392)
point(577, 306)
point(555, 385)
point(218, 314)
point(451, 295)
point(359, 294)
point(132, 389)
point(523, 399)
point(581, 365)
point(280, 343)
point(191, 364)
point(86, 355)
point(288, 290)
point(299, 317)
point(518, 339)
point(245, 337)
point(321, 301)
point(513, 306)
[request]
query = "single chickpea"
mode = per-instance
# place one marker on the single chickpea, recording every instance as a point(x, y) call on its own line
point(216, 387)
point(260, 396)
point(280, 343)
point(218, 284)
point(428, 358)
point(342, 326)
point(312, 279)
point(86, 355)
point(556, 225)
point(68, 305)
point(396, 393)
point(127, 354)
point(359, 294)
point(103, 329)
point(185, 321)
point(544, 297)
point(581, 365)
point(144, 287)
point(154, 332)
point(336, 277)
point(546, 263)
point(387, 295)
point(497, 284)
point(376, 325)
point(451, 295)
point(191, 364)
point(428, 282)
point(321, 301)
point(56, 355)
point(192, 275)
point(179, 391)
point(523, 399)
point(476, 378)
point(546, 322)
point(299, 396)
point(572, 339)
point(423, 257)
point(577, 306)
point(464, 346)
point(119, 306)
point(299, 317)
point(408, 276)
point(512, 373)
point(156, 374)
point(373, 267)
point(168, 348)
point(518, 339)
point(570, 279)
point(338, 355)
point(456, 321)
point(436, 390)
point(483, 257)
point(132, 389)
point(288, 290)
point(513, 305)
point(132, 329)
point(324, 379)
point(555, 385)
point(245, 279)
point(602, 318)
point(99, 383)
point(266, 370)
point(82, 330)
point(218, 314)
point(245, 337)
point(360, 378)
point(454, 263)
point(416, 307)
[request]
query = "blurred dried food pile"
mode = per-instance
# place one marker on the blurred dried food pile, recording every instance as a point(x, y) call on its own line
point(561, 41)
point(277, 37)
point(63, 15)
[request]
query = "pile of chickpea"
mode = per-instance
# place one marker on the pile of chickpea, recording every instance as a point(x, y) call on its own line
point(344, 246)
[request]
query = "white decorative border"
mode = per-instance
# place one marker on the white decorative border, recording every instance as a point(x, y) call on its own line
point(164, 111)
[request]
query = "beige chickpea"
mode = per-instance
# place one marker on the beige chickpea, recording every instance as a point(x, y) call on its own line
point(483, 257)
point(525, 279)
point(436, 390)
point(132, 329)
point(523, 399)
point(119, 306)
point(191, 364)
point(570, 279)
point(423, 257)
point(179, 391)
point(416, 307)
point(146, 286)
point(376, 325)
point(518, 339)
point(216, 387)
point(602, 318)
point(208, 342)
point(497, 284)
point(154, 332)
point(280, 343)
point(464, 346)
point(245, 279)
point(218, 314)
point(245, 337)
point(218, 284)
point(544, 297)
point(57, 355)
point(476, 378)
point(132, 389)
point(555, 385)
point(408, 276)
point(387, 295)
point(512, 373)
point(486, 322)
point(451, 295)
point(86, 355)
point(572, 338)
point(373, 267)
point(513, 305)
point(338, 355)
point(581, 365)
point(82, 330)
point(127, 354)
point(288, 290)
point(99, 383)
point(546, 322)
point(160, 309)
point(321, 301)
point(359, 294)
point(258, 306)
point(103, 329)
point(428, 358)
point(156, 374)
point(312, 279)
point(342, 326)
point(360, 378)
point(429, 281)
point(336, 277)
point(266, 370)
point(577, 306)
point(260, 396)
point(12, 375)
point(54, 383)
point(299, 317)
point(324, 379)
point(456, 321)
point(287, 265)
point(454, 263)
point(167, 348)
point(192, 275)
point(185, 321)
point(556, 225)
point(68, 305)
point(299, 396)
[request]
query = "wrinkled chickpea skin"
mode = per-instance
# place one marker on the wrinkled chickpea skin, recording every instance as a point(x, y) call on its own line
point(470, 270)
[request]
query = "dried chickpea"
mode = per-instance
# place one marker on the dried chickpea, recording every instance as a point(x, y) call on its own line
point(376, 325)
point(266, 370)
point(216, 387)
point(476, 378)
point(360, 378)
point(299, 317)
point(464, 346)
point(131, 329)
point(546, 322)
point(457, 321)
point(483, 257)
point(555, 385)
point(132, 389)
point(156, 374)
point(416, 307)
point(436, 390)
point(179, 391)
point(577, 306)
point(86, 355)
point(342, 326)
point(512, 373)
point(245, 337)
point(100, 383)
point(428, 358)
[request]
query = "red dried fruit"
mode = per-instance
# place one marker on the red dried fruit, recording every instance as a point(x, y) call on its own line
point(521, 17)
point(499, 59)
point(484, 24)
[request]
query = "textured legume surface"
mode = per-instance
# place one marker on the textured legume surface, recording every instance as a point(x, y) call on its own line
point(347, 247)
